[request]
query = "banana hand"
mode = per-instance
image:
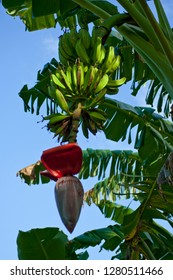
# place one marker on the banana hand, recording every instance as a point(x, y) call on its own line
point(61, 101)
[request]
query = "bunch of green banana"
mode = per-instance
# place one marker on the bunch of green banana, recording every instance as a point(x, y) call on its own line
point(61, 87)
point(73, 45)
point(93, 120)
point(89, 49)
point(60, 125)
point(90, 84)
point(66, 48)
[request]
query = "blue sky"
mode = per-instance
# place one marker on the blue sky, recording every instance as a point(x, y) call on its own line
point(23, 139)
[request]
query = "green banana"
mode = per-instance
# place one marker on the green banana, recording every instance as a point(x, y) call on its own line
point(69, 73)
point(74, 77)
point(94, 37)
point(61, 130)
point(85, 129)
point(85, 68)
point(58, 118)
point(98, 110)
point(116, 83)
point(62, 101)
point(110, 55)
point(63, 52)
point(97, 115)
point(99, 52)
point(102, 83)
point(58, 131)
point(102, 54)
point(67, 82)
point(115, 63)
point(112, 90)
point(88, 124)
point(97, 99)
point(57, 128)
point(92, 126)
point(81, 51)
point(95, 81)
point(71, 21)
point(66, 45)
point(51, 89)
point(85, 37)
point(88, 78)
point(80, 76)
point(64, 59)
point(73, 37)
point(47, 118)
point(56, 80)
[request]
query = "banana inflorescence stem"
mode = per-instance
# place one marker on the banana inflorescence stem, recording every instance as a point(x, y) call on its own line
point(75, 123)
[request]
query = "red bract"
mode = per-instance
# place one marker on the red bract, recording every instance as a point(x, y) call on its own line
point(63, 160)
point(48, 175)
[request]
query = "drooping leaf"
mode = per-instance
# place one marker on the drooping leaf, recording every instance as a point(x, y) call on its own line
point(31, 174)
point(46, 7)
point(37, 96)
point(102, 162)
point(158, 239)
point(24, 11)
point(157, 93)
point(157, 201)
point(150, 128)
point(42, 244)
point(12, 3)
point(130, 224)
point(111, 235)
point(114, 211)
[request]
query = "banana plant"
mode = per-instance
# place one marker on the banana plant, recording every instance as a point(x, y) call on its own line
point(151, 39)
point(158, 91)
point(144, 174)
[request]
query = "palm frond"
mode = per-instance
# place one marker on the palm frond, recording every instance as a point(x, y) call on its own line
point(151, 134)
point(38, 96)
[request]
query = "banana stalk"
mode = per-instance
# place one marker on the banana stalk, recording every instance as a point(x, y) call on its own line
point(76, 115)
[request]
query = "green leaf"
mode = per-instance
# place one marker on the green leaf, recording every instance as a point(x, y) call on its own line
point(152, 129)
point(12, 3)
point(24, 11)
point(98, 163)
point(46, 7)
point(155, 214)
point(130, 223)
point(163, 20)
point(163, 236)
point(42, 244)
point(126, 62)
point(37, 96)
point(83, 256)
point(67, 8)
point(157, 61)
point(114, 211)
point(111, 235)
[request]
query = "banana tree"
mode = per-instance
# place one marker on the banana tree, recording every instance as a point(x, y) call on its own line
point(141, 52)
